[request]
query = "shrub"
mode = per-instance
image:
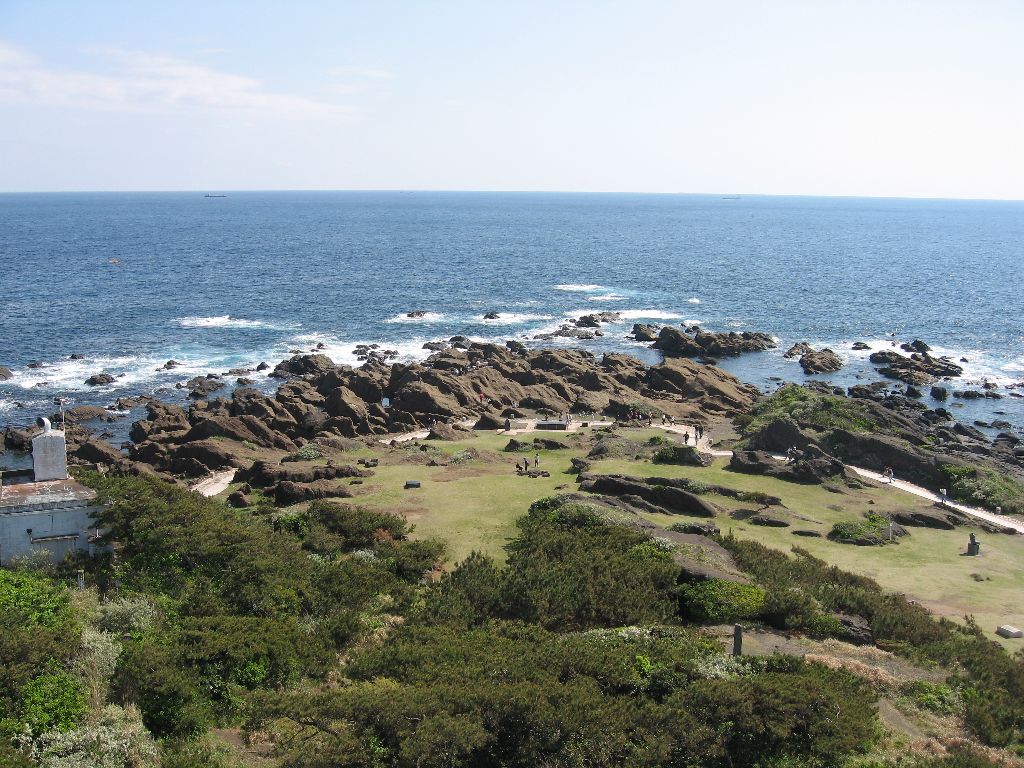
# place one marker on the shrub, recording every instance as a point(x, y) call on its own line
point(721, 601)
point(873, 529)
point(127, 614)
point(308, 452)
point(35, 598)
point(984, 487)
point(55, 700)
point(117, 739)
point(937, 697)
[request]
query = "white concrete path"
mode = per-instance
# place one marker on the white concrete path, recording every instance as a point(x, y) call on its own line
point(924, 493)
point(215, 483)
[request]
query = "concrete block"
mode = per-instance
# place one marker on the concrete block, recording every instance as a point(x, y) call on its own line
point(1008, 630)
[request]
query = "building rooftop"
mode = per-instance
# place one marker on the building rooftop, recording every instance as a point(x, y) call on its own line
point(50, 493)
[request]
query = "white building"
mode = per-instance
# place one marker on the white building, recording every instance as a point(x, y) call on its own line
point(52, 513)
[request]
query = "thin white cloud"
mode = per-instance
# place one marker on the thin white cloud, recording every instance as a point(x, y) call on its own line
point(143, 82)
point(365, 73)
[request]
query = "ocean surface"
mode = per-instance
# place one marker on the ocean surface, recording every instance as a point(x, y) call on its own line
point(132, 280)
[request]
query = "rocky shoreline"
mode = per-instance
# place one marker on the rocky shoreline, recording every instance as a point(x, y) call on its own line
point(321, 403)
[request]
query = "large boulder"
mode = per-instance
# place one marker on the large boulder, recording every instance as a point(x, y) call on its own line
point(824, 361)
point(643, 332)
point(163, 419)
point(93, 451)
point(303, 365)
point(5, 373)
point(100, 380)
point(779, 435)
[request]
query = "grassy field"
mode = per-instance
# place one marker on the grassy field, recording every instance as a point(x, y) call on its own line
point(474, 505)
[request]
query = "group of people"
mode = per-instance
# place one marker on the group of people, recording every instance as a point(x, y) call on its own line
point(526, 464)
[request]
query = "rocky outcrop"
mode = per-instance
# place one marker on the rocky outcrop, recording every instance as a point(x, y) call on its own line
point(303, 365)
point(685, 455)
point(665, 494)
point(5, 373)
point(81, 413)
point(779, 435)
point(321, 401)
point(944, 520)
point(287, 492)
point(701, 343)
point(823, 361)
point(798, 349)
point(93, 451)
point(811, 466)
point(263, 474)
point(100, 380)
point(201, 387)
point(643, 332)
point(919, 368)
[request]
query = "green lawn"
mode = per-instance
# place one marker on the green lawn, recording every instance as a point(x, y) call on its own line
point(474, 506)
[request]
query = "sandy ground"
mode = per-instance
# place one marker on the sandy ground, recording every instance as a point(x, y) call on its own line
point(215, 483)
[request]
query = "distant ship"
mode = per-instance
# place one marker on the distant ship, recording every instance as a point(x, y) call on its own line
point(216, 195)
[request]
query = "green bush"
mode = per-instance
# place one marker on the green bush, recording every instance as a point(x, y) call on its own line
point(984, 487)
point(55, 700)
point(308, 452)
point(34, 597)
point(936, 697)
point(873, 529)
point(720, 601)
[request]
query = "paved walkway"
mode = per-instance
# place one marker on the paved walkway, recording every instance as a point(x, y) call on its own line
point(924, 493)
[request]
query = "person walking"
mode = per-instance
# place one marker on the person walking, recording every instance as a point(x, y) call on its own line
point(536, 460)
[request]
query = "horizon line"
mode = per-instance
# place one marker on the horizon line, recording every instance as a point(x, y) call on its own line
point(396, 190)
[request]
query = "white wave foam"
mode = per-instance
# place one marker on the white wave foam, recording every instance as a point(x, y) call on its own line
point(225, 321)
point(693, 300)
point(607, 297)
point(516, 318)
point(579, 287)
point(427, 317)
point(649, 314)
point(734, 324)
point(342, 351)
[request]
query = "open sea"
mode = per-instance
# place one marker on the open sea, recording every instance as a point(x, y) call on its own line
point(131, 280)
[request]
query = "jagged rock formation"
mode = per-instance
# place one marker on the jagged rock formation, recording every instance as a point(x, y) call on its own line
point(694, 342)
point(484, 382)
point(920, 368)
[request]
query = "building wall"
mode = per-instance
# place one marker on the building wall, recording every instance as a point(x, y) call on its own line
point(15, 522)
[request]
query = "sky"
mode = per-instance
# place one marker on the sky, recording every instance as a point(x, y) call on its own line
point(818, 97)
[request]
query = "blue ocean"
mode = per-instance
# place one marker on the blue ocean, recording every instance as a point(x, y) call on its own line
point(130, 281)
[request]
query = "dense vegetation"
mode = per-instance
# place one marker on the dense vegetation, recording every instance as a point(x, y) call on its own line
point(320, 630)
point(984, 487)
point(792, 401)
